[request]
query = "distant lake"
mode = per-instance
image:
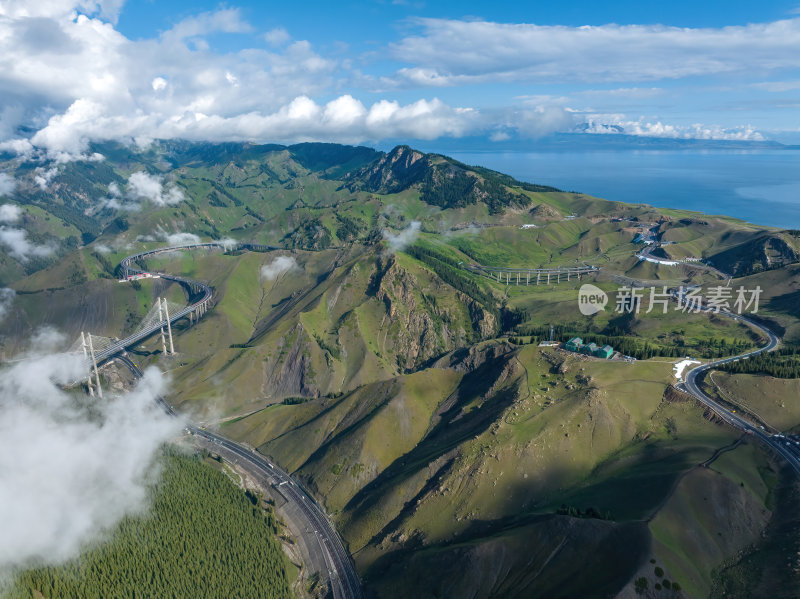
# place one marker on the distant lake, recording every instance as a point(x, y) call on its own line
point(760, 186)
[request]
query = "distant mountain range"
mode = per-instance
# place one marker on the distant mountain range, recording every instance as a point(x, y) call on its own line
point(576, 142)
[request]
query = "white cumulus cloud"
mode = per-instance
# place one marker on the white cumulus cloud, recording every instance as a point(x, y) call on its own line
point(68, 477)
point(143, 186)
point(159, 83)
point(613, 124)
point(279, 266)
point(7, 184)
point(72, 74)
point(85, 81)
point(10, 213)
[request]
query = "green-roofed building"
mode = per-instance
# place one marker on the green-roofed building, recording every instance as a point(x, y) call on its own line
point(574, 344)
point(589, 349)
point(604, 352)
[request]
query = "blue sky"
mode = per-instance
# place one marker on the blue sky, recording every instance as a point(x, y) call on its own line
point(347, 21)
point(74, 71)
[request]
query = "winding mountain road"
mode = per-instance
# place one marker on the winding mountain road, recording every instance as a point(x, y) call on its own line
point(778, 443)
point(128, 269)
point(784, 448)
point(338, 566)
point(787, 449)
point(333, 561)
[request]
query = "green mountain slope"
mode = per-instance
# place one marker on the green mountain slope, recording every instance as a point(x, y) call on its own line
point(408, 393)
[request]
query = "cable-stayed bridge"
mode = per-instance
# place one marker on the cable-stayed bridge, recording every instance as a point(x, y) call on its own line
point(163, 315)
point(332, 560)
point(160, 318)
point(156, 319)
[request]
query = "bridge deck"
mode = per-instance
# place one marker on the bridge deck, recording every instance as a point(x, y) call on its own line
point(558, 270)
point(122, 344)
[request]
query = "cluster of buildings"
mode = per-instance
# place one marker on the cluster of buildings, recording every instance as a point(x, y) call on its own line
point(138, 276)
point(590, 349)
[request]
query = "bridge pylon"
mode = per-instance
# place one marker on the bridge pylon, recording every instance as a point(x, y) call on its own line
point(169, 328)
point(163, 337)
point(96, 371)
point(84, 347)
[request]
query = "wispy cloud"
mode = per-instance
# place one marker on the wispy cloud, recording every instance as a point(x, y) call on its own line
point(15, 241)
point(45, 176)
point(455, 52)
point(18, 245)
point(7, 184)
point(6, 300)
point(224, 20)
point(277, 37)
point(179, 238)
point(778, 86)
point(624, 92)
point(400, 241)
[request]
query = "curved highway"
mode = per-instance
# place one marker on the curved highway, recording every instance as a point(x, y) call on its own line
point(778, 444)
point(342, 576)
point(127, 269)
point(207, 291)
